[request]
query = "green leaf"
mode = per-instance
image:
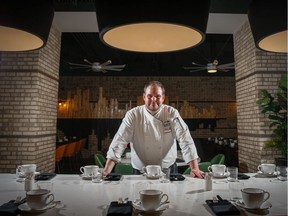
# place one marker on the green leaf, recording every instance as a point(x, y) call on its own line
point(283, 82)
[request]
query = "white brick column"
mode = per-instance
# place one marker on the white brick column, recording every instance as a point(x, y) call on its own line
point(255, 70)
point(28, 106)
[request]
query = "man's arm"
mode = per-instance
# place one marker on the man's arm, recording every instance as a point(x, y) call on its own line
point(187, 146)
point(108, 166)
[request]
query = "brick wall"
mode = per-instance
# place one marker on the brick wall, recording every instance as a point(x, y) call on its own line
point(28, 106)
point(255, 70)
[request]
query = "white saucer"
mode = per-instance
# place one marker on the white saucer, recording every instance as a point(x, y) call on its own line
point(85, 177)
point(153, 177)
point(266, 205)
point(221, 176)
point(138, 206)
point(262, 175)
point(25, 207)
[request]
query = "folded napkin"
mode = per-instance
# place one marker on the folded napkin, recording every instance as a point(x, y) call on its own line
point(222, 207)
point(9, 208)
point(44, 176)
point(120, 209)
point(176, 177)
point(243, 176)
point(113, 177)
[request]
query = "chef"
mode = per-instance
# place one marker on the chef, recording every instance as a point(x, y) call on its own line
point(153, 130)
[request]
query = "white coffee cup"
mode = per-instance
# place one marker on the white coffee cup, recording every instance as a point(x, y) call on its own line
point(89, 170)
point(128, 155)
point(152, 170)
point(254, 197)
point(39, 199)
point(26, 169)
point(218, 170)
point(152, 199)
point(266, 168)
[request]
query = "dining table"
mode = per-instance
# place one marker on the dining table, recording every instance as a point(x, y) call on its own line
point(76, 195)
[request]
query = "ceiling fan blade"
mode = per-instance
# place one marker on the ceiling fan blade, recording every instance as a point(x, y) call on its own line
point(226, 68)
point(223, 70)
point(197, 70)
point(203, 67)
point(106, 63)
point(85, 60)
point(193, 63)
point(70, 63)
point(114, 69)
point(80, 67)
point(227, 65)
point(113, 66)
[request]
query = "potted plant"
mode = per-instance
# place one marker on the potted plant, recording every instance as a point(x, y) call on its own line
point(276, 109)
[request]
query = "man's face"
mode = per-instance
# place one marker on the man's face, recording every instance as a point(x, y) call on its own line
point(153, 98)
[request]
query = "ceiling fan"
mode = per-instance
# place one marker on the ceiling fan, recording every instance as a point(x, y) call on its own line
point(211, 67)
point(97, 66)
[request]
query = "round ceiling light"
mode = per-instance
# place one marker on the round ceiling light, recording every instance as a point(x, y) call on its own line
point(151, 26)
point(268, 22)
point(25, 25)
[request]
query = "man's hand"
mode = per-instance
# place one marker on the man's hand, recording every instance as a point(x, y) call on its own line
point(197, 173)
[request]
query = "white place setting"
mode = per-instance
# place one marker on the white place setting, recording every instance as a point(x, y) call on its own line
point(188, 197)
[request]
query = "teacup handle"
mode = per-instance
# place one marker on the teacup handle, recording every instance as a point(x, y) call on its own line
point(209, 168)
point(18, 170)
point(165, 196)
point(144, 170)
point(82, 170)
point(268, 196)
point(52, 199)
point(259, 168)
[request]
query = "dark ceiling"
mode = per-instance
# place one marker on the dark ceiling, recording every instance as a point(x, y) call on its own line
point(77, 46)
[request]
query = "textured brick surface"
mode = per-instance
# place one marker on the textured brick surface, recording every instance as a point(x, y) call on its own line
point(255, 70)
point(28, 106)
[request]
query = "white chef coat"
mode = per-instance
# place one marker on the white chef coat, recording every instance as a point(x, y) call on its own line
point(153, 138)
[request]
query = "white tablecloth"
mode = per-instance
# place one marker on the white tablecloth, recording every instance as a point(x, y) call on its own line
point(82, 197)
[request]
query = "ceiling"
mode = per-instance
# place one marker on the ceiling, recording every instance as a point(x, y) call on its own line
point(76, 19)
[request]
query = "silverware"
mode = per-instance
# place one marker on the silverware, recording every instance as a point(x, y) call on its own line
point(18, 199)
point(120, 200)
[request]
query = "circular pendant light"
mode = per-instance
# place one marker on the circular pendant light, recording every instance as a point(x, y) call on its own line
point(152, 26)
point(268, 22)
point(25, 25)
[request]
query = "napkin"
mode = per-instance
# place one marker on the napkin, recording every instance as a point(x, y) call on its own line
point(44, 176)
point(243, 176)
point(9, 208)
point(120, 209)
point(176, 177)
point(222, 207)
point(113, 177)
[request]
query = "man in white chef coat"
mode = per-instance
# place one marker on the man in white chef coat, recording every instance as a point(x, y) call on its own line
point(152, 130)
